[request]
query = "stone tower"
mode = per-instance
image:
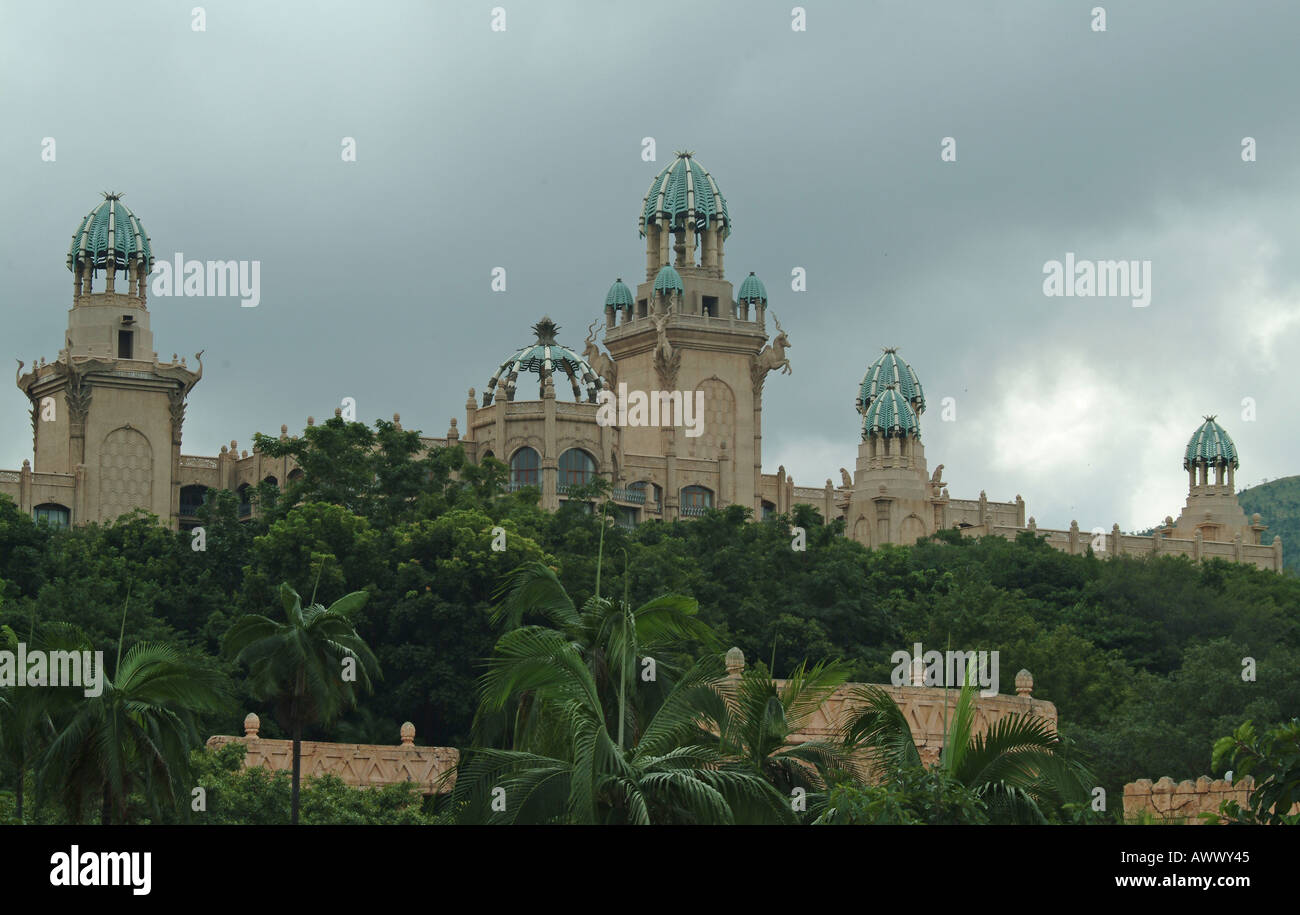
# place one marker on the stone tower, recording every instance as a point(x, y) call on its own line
point(106, 412)
point(684, 330)
point(1212, 510)
point(893, 501)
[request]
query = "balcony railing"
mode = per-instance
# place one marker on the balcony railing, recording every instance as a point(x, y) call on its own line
point(630, 495)
point(694, 511)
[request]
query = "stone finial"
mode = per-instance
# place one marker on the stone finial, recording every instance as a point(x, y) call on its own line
point(338, 411)
point(1024, 683)
point(223, 449)
point(252, 724)
point(1256, 518)
point(408, 734)
point(284, 431)
point(1169, 520)
point(173, 358)
point(234, 445)
point(735, 661)
point(27, 464)
point(1033, 525)
point(244, 453)
point(311, 420)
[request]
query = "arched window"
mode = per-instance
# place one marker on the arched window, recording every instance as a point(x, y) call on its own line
point(524, 465)
point(648, 492)
point(273, 481)
point(577, 468)
point(53, 514)
point(769, 509)
point(191, 498)
point(295, 475)
point(696, 500)
point(245, 502)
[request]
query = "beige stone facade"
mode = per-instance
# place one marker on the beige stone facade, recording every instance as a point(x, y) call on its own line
point(107, 417)
point(1182, 803)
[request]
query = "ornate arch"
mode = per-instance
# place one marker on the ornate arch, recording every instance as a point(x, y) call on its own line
point(125, 473)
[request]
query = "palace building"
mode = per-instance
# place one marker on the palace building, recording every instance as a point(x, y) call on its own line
point(107, 414)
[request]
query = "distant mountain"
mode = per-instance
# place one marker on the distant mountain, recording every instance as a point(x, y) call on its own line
point(1278, 502)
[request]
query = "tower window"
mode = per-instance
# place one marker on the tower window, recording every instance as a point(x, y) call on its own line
point(710, 306)
point(124, 344)
point(523, 468)
point(53, 514)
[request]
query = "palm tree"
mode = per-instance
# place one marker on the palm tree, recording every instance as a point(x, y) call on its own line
point(26, 714)
point(1017, 768)
point(761, 717)
point(674, 772)
point(302, 665)
point(613, 638)
point(137, 733)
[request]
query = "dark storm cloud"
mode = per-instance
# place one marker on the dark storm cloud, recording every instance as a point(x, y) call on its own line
point(521, 149)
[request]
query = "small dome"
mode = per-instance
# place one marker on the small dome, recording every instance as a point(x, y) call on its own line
point(891, 370)
point(890, 416)
point(668, 280)
point(542, 358)
point(752, 290)
point(110, 232)
point(619, 296)
point(685, 193)
point(1210, 445)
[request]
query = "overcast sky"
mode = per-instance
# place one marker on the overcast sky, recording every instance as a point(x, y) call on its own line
point(522, 149)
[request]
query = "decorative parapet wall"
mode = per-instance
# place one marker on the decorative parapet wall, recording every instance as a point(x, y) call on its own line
point(928, 710)
point(358, 764)
point(1076, 541)
point(1184, 802)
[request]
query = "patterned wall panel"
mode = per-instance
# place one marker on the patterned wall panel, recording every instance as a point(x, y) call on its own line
point(125, 473)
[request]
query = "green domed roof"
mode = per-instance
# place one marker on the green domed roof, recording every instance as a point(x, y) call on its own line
point(542, 358)
point(752, 290)
point(619, 296)
point(891, 370)
point(110, 232)
point(1210, 445)
point(668, 279)
point(685, 193)
point(890, 415)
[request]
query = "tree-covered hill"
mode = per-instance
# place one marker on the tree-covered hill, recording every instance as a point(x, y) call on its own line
point(1144, 657)
point(1278, 503)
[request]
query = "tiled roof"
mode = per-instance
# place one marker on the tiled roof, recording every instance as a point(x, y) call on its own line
point(619, 295)
point(890, 415)
point(1210, 445)
point(752, 290)
point(891, 370)
point(110, 231)
point(685, 192)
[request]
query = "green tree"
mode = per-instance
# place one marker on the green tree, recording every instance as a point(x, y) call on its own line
point(1273, 758)
point(299, 664)
point(1017, 768)
point(137, 734)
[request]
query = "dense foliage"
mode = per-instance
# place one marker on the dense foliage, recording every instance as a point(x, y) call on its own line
point(1142, 656)
point(1278, 503)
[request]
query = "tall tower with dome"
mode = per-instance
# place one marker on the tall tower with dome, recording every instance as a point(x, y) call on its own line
point(106, 413)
